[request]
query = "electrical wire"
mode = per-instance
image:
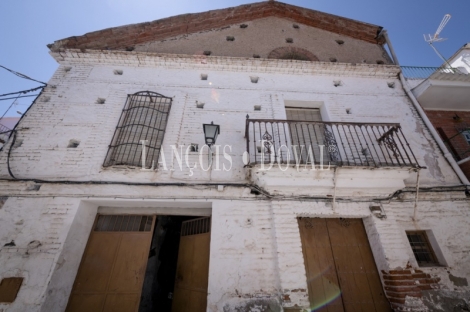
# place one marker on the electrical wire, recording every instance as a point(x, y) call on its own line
point(21, 118)
point(22, 75)
point(20, 92)
point(11, 105)
point(256, 190)
point(23, 91)
point(225, 198)
point(23, 96)
point(9, 153)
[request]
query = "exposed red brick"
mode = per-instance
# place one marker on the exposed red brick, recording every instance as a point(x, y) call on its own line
point(398, 277)
point(450, 128)
point(189, 23)
point(399, 272)
point(466, 168)
point(399, 283)
point(421, 275)
point(402, 289)
point(407, 282)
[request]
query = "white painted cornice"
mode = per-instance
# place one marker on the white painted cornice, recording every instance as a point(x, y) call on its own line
point(222, 63)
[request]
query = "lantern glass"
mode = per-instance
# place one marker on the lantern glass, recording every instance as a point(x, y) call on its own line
point(211, 132)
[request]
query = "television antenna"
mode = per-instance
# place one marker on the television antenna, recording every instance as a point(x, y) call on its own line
point(435, 38)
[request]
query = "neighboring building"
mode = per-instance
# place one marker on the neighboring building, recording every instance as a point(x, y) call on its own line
point(6, 125)
point(84, 228)
point(444, 94)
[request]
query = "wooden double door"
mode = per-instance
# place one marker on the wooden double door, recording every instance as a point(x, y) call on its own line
point(192, 271)
point(341, 272)
point(113, 266)
point(112, 271)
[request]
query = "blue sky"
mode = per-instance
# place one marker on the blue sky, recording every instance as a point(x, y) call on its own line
point(27, 26)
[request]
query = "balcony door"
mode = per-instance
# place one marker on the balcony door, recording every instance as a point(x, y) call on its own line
point(306, 134)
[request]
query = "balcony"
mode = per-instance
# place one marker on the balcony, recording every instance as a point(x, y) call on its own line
point(422, 73)
point(439, 88)
point(337, 143)
point(4, 134)
point(308, 156)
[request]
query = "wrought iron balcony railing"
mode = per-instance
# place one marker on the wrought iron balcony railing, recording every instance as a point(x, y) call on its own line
point(337, 143)
point(4, 129)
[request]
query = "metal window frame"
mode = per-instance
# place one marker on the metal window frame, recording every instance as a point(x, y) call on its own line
point(428, 249)
point(466, 135)
point(123, 223)
point(134, 115)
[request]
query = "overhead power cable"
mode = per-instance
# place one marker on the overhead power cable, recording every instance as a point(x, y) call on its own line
point(23, 91)
point(13, 103)
point(22, 75)
point(17, 97)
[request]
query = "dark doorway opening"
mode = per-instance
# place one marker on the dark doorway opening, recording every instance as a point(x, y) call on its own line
point(159, 282)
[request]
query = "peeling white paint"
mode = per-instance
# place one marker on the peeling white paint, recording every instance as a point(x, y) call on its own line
point(255, 244)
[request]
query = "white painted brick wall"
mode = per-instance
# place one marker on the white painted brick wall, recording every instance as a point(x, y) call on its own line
point(72, 113)
point(260, 258)
point(255, 245)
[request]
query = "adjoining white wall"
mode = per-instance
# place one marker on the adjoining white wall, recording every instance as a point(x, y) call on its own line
point(462, 59)
point(38, 227)
point(243, 270)
point(66, 266)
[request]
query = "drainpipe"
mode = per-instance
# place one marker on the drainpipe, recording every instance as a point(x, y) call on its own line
point(423, 115)
point(334, 191)
point(415, 210)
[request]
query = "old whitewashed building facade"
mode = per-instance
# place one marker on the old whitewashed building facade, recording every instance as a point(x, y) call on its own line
point(443, 94)
point(381, 224)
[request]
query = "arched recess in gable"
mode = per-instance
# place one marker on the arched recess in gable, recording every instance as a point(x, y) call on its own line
point(292, 53)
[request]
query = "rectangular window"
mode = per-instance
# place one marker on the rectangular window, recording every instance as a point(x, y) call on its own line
point(303, 114)
point(422, 248)
point(466, 135)
point(307, 133)
point(144, 117)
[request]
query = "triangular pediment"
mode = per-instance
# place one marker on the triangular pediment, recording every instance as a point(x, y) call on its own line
point(129, 36)
point(272, 38)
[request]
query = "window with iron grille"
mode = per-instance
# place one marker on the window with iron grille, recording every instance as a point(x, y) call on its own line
point(144, 117)
point(422, 249)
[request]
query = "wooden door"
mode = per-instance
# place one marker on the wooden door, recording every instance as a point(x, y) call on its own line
point(113, 266)
point(306, 133)
point(192, 271)
point(341, 272)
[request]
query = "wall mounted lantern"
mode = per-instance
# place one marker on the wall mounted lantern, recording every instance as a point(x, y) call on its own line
point(211, 132)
